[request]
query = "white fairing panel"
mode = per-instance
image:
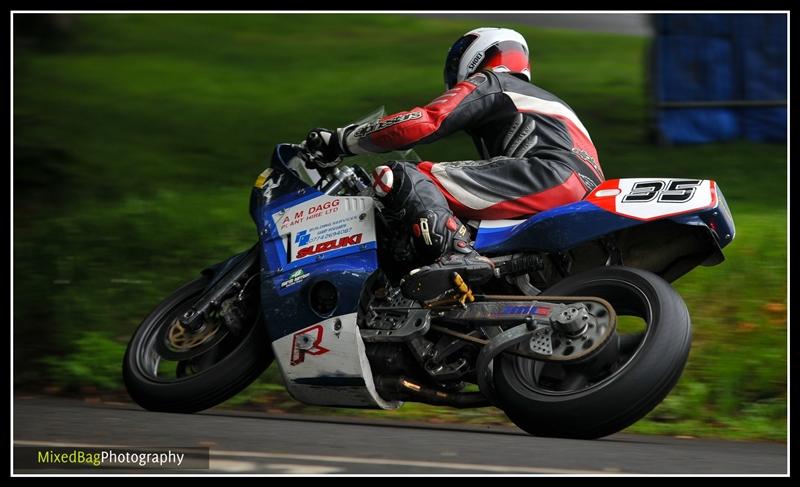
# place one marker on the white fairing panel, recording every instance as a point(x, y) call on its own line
point(325, 364)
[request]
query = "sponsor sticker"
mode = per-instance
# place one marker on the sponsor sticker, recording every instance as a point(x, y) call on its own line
point(526, 310)
point(326, 231)
point(309, 213)
point(329, 245)
point(307, 342)
point(295, 277)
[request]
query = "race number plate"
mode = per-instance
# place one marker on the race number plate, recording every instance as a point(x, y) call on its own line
point(649, 199)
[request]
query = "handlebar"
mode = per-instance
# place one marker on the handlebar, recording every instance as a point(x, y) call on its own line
point(344, 176)
point(332, 178)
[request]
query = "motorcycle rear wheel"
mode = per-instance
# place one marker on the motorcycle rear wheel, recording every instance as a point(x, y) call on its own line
point(201, 382)
point(599, 397)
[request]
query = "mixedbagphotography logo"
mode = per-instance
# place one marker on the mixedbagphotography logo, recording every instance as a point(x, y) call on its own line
point(101, 458)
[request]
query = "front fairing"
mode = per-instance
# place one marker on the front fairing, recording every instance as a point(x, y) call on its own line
point(307, 237)
point(277, 183)
point(317, 252)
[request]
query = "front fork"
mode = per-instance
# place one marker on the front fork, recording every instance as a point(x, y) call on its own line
point(229, 278)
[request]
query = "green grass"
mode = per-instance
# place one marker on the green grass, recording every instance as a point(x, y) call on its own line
point(136, 141)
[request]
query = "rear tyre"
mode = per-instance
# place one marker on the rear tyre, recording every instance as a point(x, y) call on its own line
point(605, 395)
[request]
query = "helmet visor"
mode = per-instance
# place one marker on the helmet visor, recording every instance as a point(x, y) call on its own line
point(453, 60)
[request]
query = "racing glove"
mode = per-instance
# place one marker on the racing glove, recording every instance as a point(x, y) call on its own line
point(327, 146)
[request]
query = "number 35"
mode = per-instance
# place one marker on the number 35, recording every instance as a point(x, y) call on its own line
point(677, 191)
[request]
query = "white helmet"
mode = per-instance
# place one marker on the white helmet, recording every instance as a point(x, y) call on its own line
point(498, 49)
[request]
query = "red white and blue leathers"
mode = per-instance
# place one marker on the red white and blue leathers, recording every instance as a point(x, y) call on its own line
point(535, 152)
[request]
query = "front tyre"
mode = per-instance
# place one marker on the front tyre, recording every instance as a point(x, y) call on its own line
point(624, 382)
point(206, 372)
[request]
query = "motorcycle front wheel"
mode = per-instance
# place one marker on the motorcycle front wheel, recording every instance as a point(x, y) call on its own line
point(622, 383)
point(166, 369)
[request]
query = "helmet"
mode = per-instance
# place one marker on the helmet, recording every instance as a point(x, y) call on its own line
point(501, 50)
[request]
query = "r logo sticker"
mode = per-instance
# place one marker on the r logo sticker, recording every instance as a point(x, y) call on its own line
point(307, 342)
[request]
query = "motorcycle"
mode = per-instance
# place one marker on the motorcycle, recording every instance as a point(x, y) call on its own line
point(579, 334)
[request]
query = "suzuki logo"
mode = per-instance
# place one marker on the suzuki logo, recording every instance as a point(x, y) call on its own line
point(329, 245)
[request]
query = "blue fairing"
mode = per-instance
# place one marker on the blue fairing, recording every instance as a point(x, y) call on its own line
point(286, 309)
point(570, 225)
point(552, 230)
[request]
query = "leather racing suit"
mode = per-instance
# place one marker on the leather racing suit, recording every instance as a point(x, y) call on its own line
point(535, 155)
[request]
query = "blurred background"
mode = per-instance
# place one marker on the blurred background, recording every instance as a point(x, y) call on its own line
point(137, 137)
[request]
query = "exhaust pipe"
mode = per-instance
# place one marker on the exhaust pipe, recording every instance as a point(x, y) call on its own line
point(404, 389)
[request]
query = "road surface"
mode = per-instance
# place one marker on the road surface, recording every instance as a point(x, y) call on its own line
point(250, 442)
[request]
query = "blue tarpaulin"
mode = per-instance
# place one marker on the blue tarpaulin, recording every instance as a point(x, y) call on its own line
point(720, 77)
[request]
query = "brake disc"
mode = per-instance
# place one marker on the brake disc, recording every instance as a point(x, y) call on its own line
point(176, 342)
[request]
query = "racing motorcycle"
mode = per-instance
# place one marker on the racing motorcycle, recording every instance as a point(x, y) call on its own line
point(579, 334)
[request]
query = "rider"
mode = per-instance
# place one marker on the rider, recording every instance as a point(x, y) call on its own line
point(535, 155)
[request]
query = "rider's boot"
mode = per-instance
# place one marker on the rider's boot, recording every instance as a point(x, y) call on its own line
point(414, 201)
point(441, 230)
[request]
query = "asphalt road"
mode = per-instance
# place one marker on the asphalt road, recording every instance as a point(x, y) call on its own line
point(244, 442)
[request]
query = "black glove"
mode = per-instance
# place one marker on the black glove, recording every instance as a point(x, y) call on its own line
point(327, 147)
